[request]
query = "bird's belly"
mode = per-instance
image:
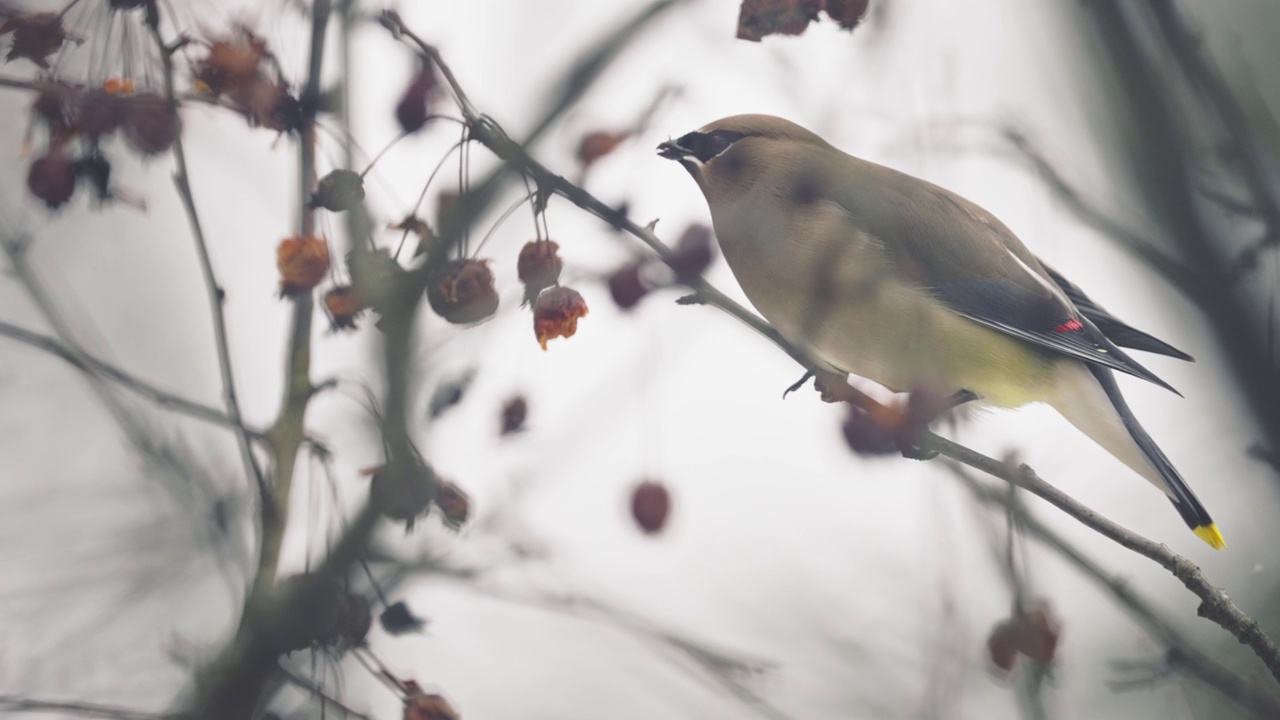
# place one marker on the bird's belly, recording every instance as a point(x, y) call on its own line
point(855, 314)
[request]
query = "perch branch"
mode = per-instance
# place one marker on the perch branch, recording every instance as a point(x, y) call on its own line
point(1215, 605)
point(1196, 663)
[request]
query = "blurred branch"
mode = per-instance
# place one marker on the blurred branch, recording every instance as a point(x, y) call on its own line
point(182, 181)
point(234, 685)
point(1172, 269)
point(1163, 147)
point(1246, 152)
point(91, 365)
point(319, 692)
point(1215, 604)
point(1196, 663)
point(721, 668)
point(14, 704)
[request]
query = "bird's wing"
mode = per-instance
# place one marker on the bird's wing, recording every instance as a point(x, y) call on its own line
point(1115, 330)
point(969, 260)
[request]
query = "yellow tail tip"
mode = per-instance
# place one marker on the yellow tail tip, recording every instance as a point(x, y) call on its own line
point(1209, 533)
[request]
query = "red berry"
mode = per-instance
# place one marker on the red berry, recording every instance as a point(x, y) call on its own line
point(650, 506)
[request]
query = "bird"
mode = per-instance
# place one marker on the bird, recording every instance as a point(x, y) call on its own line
point(895, 279)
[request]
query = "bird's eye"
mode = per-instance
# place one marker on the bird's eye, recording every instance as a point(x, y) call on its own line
point(706, 146)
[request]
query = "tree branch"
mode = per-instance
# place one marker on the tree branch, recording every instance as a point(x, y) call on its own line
point(16, 704)
point(1215, 604)
point(182, 182)
point(1196, 663)
point(94, 366)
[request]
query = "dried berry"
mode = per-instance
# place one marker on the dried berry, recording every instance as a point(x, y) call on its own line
point(398, 619)
point(127, 4)
point(539, 267)
point(514, 413)
point(339, 190)
point(419, 705)
point(1034, 633)
point(1040, 632)
point(329, 616)
point(35, 37)
point(462, 291)
point(303, 261)
point(1002, 645)
point(52, 178)
point(56, 105)
point(627, 287)
point(236, 59)
point(759, 18)
point(413, 110)
point(556, 313)
point(453, 503)
point(849, 13)
point(650, 506)
point(403, 491)
point(692, 253)
point(868, 435)
point(99, 113)
point(595, 145)
point(343, 305)
point(150, 123)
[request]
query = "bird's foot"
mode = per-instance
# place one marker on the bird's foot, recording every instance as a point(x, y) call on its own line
point(797, 384)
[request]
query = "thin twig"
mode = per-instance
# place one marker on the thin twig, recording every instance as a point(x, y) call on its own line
point(15, 704)
point(216, 296)
point(315, 689)
point(88, 364)
point(1196, 663)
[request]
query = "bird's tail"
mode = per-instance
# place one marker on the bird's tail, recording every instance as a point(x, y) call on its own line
point(1086, 394)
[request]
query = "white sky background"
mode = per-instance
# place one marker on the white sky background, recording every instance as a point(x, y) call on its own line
point(868, 586)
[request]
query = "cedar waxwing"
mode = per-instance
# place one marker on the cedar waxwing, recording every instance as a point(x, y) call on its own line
point(895, 279)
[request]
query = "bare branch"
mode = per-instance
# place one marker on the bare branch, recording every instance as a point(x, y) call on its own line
point(15, 704)
point(182, 182)
point(88, 364)
point(1215, 604)
point(1226, 681)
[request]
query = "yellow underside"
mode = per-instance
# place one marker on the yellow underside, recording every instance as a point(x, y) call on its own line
point(1209, 533)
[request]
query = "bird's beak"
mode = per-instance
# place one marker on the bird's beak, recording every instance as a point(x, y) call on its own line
point(671, 150)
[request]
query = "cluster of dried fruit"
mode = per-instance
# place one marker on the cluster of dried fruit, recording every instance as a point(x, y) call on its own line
point(406, 491)
point(236, 71)
point(691, 256)
point(889, 429)
point(331, 616)
point(1033, 633)
point(70, 113)
point(759, 18)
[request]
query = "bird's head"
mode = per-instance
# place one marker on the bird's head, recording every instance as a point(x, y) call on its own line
point(729, 155)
